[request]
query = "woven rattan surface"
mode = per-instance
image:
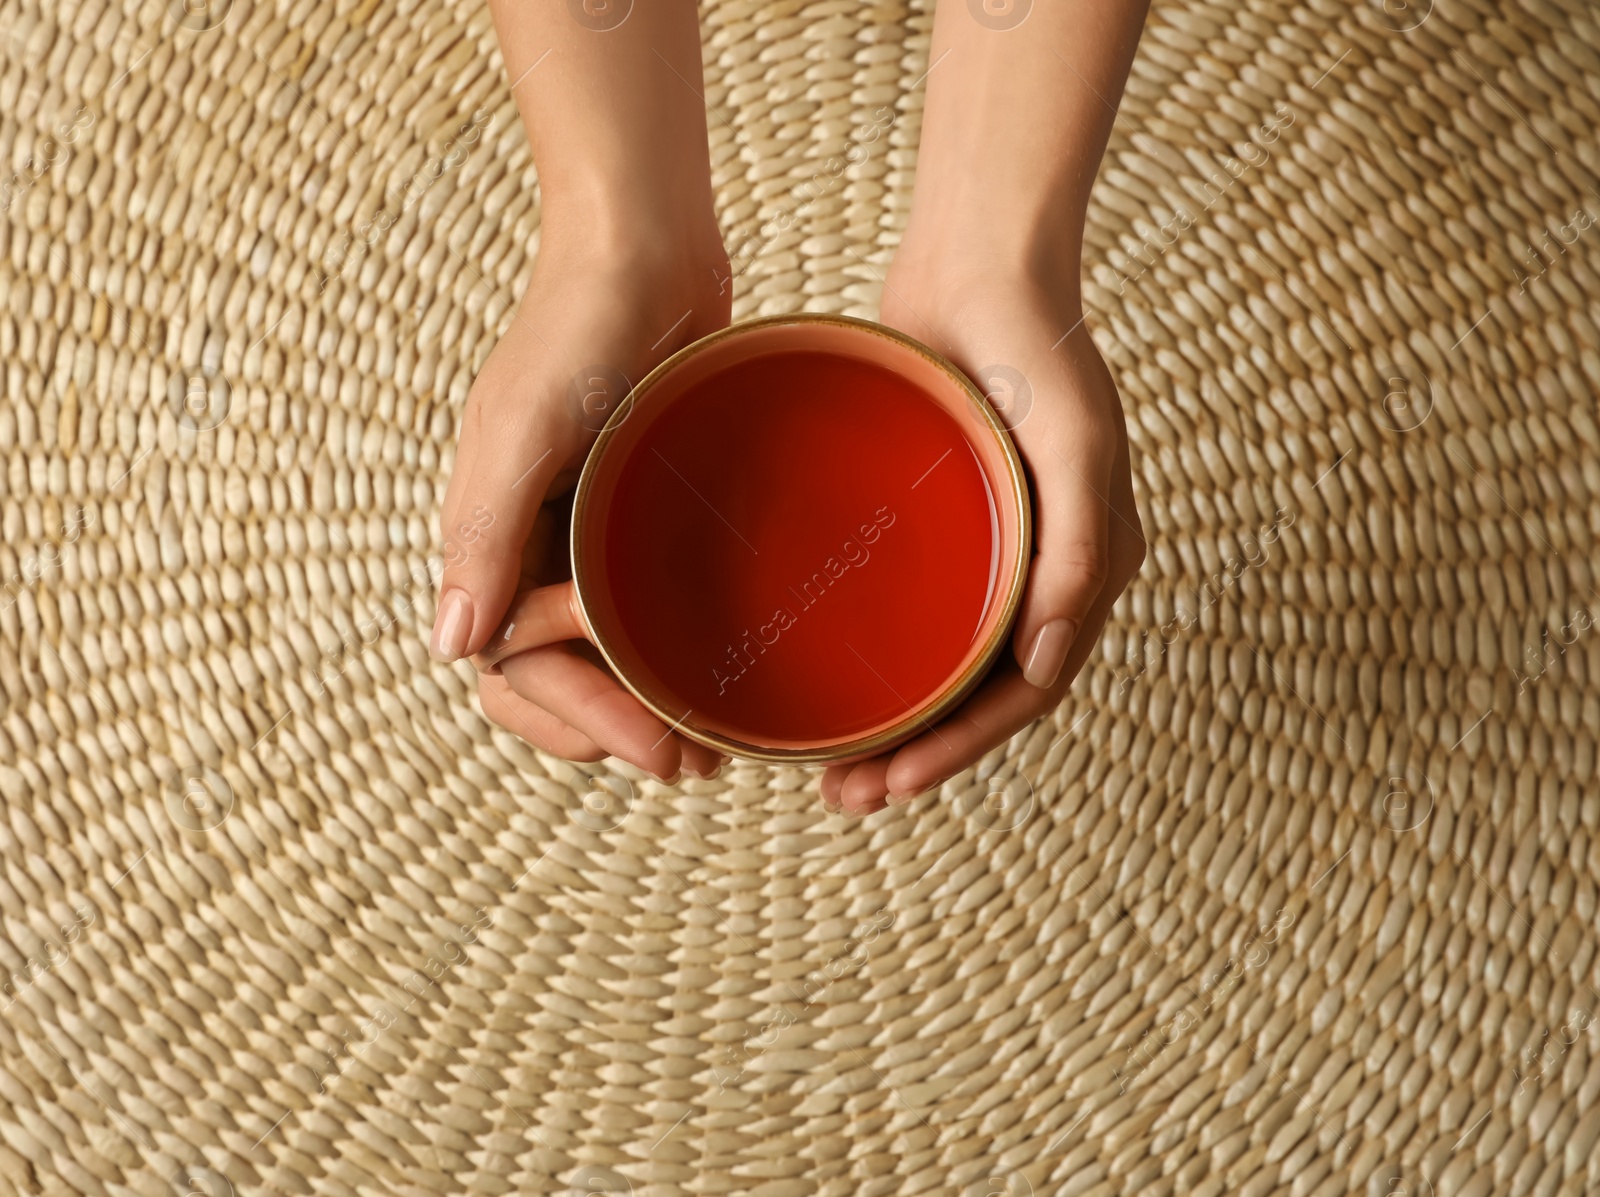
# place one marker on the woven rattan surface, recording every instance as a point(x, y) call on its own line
point(1295, 894)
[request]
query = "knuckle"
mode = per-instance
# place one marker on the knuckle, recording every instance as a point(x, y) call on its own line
point(599, 706)
point(496, 707)
point(1086, 563)
point(1088, 429)
point(488, 389)
point(525, 674)
point(1135, 553)
point(467, 533)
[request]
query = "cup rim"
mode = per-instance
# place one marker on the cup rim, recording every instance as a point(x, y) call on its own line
point(924, 715)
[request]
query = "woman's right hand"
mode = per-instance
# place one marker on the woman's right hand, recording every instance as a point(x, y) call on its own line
point(593, 322)
point(630, 267)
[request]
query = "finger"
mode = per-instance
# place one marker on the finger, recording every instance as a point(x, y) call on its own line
point(1128, 545)
point(516, 714)
point(832, 782)
point(581, 694)
point(866, 788)
point(1002, 707)
point(547, 615)
point(699, 760)
point(1072, 548)
point(511, 448)
point(550, 615)
point(1005, 704)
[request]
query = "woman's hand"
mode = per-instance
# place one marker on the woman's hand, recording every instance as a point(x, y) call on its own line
point(592, 323)
point(1026, 345)
point(1019, 110)
point(630, 268)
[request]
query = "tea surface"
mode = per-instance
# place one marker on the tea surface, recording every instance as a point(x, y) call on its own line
point(802, 547)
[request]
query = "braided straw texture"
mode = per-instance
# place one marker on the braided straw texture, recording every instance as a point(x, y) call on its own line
point(1296, 893)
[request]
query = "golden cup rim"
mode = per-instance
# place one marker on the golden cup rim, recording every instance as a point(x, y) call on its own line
point(925, 715)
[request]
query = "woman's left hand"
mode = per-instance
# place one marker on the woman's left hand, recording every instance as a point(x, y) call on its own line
point(1025, 344)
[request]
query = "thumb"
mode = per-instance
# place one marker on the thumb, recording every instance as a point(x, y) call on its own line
point(510, 452)
point(1071, 553)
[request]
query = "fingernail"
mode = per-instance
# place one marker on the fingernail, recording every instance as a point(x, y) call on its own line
point(669, 781)
point(831, 807)
point(726, 759)
point(1049, 653)
point(452, 626)
point(902, 799)
point(712, 776)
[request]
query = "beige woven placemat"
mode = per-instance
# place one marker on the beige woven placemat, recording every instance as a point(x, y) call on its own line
point(1296, 894)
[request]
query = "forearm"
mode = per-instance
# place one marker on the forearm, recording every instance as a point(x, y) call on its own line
point(1015, 124)
point(615, 119)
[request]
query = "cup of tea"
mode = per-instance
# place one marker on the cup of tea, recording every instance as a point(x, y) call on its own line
point(800, 539)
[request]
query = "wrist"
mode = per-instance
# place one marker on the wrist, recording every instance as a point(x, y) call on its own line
point(659, 240)
point(949, 258)
point(625, 212)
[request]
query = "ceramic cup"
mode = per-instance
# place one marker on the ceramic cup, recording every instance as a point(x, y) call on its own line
point(586, 607)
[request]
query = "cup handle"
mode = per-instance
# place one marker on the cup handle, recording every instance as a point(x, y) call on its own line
point(539, 617)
